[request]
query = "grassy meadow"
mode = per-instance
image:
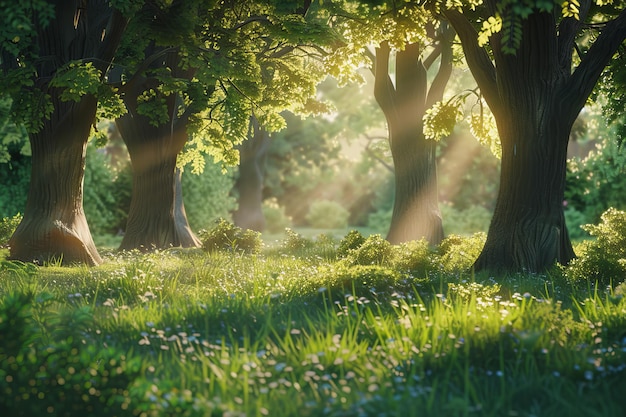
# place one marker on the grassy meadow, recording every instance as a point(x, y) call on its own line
point(322, 327)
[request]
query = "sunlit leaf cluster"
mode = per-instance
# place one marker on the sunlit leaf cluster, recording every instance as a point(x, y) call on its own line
point(363, 26)
point(483, 128)
point(440, 119)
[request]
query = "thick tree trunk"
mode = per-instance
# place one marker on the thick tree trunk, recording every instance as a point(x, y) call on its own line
point(249, 185)
point(155, 219)
point(534, 114)
point(528, 231)
point(54, 226)
point(416, 212)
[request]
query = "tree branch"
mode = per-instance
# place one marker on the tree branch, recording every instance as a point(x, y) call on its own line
point(374, 156)
point(583, 80)
point(384, 91)
point(477, 57)
point(568, 29)
point(430, 59)
point(438, 86)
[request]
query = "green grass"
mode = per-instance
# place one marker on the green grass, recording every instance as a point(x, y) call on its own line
point(296, 332)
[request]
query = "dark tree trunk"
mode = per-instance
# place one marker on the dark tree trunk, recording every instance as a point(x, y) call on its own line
point(535, 98)
point(528, 231)
point(416, 212)
point(249, 185)
point(54, 224)
point(156, 218)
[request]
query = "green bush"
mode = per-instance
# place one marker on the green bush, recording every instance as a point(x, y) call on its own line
point(7, 227)
point(225, 236)
point(458, 253)
point(353, 240)
point(375, 250)
point(15, 178)
point(603, 259)
point(380, 220)
point(276, 220)
point(575, 219)
point(99, 198)
point(597, 182)
point(327, 215)
point(415, 256)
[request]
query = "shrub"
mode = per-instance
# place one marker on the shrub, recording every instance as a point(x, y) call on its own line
point(374, 251)
point(99, 199)
point(15, 179)
point(414, 256)
point(7, 227)
point(597, 182)
point(353, 240)
point(380, 220)
point(276, 220)
point(326, 214)
point(458, 253)
point(603, 259)
point(295, 242)
point(575, 220)
point(225, 236)
point(356, 280)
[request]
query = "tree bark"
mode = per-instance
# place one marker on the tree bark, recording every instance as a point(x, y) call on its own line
point(54, 226)
point(416, 212)
point(249, 184)
point(156, 218)
point(186, 236)
point(535, 98)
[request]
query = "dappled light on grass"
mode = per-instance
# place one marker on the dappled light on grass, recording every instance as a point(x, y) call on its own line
point(368, 330)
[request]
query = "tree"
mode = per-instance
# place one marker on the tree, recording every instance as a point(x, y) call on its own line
point(523, 61)
point(239, 58)
point(416, 212)
point(249, 184)
point(156, 218)
point(418, 39)
point(52, 53)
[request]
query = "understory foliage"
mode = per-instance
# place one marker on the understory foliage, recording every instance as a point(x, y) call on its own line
point(597, 181)
point(226, 236)
point(602, 259)
point(7, 227)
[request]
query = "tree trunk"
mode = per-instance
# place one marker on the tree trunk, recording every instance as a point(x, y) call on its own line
point(535, 96)
point(54, 227)
point(249, 185)
point(186, 236)
point(156, 220)
point(416, 212)
point(528, 231)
